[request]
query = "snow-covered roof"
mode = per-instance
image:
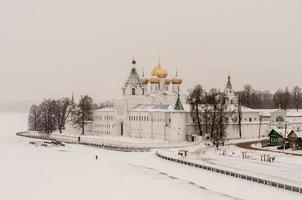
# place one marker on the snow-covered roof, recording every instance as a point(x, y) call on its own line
point(156, 108)
point(289, 112)
point(299, 134)
point(153, 108)
point(243, 109)
point(282, 131)
point(107, 109)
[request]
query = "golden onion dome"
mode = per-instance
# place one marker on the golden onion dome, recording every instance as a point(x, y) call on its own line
point(159, 71)
point(176, 80)
point(167, 81)
point(144, 80)
point(154, 79)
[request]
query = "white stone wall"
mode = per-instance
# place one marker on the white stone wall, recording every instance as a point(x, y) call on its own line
point(178, 127)
point(154, 125)
point(104, 123)
point(249, 130)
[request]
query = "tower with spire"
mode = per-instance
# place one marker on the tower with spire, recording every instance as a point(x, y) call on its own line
point(230, 93)
point(133, 85)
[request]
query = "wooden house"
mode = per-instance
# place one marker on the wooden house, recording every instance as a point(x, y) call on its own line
point(295, 139)
point(276, 137)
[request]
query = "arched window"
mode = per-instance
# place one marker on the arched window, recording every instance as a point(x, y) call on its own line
point(133, 91)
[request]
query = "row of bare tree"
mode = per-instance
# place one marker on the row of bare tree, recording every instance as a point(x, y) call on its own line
point(52, 114)
point(284, 98)
point(209, 112)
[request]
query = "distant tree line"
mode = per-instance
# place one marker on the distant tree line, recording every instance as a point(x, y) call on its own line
point(284, 98)
point(52, 114)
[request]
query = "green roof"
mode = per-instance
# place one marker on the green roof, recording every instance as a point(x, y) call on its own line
point(178, 104)
point(133, 79)
point(274, 133)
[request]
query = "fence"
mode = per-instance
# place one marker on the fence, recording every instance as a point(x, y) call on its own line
point(234, 174)
point(74, 141)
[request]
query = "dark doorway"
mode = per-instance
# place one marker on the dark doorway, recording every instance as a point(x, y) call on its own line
point(122, 128)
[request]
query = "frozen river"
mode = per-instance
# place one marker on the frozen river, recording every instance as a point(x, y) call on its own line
point(71, 172)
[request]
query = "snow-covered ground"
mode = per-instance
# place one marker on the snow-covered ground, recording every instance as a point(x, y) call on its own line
point(72, 172)
point(274, 148)
point(285, 168)
point(124, 141)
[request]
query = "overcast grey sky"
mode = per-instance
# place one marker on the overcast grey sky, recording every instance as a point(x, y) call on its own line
point(50, 48)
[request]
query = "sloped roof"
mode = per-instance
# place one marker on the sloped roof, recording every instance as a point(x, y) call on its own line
point(133, 79)
point(297, 134)
point(106, 109)
point(153, 108)
point(280, 132)
point(229, 84)
point(275, 132)
point(289, 112)
point(178, 104)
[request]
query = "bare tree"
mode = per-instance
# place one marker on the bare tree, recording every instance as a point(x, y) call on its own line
point(33, 118)
point(223, 117)
point(278, 98)
point(213, 99)
point(282, 98)
point(47, 115)
point(296, 97)
point(286, 98)
point(239, 112)
point(84, 112)
point(247, 93)
point(195, 99)
point(63, 110)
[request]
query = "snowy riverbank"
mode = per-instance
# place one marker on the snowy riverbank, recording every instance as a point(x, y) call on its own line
point(32, 172)
point(113, 141)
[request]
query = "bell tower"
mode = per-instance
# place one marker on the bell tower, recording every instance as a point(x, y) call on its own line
point(133, 85)
point(230, 93)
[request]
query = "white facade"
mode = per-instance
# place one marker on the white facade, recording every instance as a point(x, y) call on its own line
point(152, 108)
point(147, 109)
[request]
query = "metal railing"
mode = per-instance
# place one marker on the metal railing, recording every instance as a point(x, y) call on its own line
point(234, 174)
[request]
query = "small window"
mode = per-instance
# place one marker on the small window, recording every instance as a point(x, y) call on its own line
point(250, 119)
point(133, 91)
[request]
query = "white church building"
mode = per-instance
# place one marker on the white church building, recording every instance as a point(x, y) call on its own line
point(155, 108)
point(150, 108)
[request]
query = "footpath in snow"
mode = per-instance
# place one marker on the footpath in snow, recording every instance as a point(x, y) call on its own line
point(285, 169)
